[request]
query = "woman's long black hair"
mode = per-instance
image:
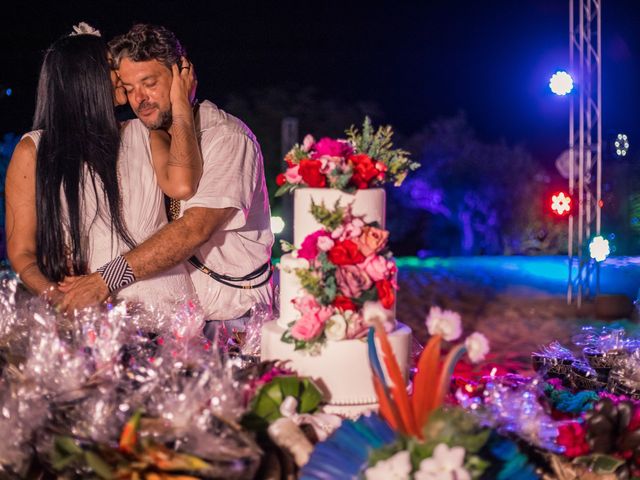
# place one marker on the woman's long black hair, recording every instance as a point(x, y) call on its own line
point(75, 112)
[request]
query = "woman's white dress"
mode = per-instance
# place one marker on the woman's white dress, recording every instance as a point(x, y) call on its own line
point(143, 212)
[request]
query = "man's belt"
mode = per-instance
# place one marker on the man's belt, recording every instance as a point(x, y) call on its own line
point(230, 281)
point(173, 211)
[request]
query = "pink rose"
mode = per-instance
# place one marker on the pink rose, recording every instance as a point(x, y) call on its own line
point(372, 240)
point(352, 280)
point(325, 243)
point(332, 148)
point(308, 142)
point(306, 303)
point(309, 248)
point(292, 175)
point(378, 267)
point(307, 328)
point(312, 323)
point(356, 327)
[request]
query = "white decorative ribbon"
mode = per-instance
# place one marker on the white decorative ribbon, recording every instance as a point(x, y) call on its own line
point(322, 423)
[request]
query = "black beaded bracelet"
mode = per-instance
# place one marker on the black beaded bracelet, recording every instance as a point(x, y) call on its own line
point(117, 274)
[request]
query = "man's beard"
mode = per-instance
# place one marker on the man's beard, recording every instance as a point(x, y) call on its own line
point(162, 122)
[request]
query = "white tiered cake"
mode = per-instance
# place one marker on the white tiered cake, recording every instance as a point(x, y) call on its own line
point(341, 368)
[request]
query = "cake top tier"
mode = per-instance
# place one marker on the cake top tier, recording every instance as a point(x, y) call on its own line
point(370, 203)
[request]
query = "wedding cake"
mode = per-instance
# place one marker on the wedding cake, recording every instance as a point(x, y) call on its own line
point(339, 365)
point(339, 270)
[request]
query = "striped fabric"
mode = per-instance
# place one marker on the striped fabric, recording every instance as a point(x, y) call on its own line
point(117, 274)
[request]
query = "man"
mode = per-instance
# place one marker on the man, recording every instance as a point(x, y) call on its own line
point(225, 225)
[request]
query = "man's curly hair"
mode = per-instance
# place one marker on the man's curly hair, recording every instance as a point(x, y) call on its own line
point(144, 42)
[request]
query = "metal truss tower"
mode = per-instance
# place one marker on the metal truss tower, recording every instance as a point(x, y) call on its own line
point(585, 146)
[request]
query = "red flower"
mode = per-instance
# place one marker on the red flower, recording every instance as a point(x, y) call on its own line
point(386, 294)
point(345, 253)
point(344, 303)
point(310, 172)
point(572, 436)
point(364, 170)
point(280, 179)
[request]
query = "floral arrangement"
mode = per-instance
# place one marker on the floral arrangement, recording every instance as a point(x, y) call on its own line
point(415, 436)
point(363, 160)
point(349, 265)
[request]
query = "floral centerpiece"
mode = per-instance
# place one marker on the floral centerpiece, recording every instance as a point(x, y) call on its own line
point(349, 265)
point(364, 159)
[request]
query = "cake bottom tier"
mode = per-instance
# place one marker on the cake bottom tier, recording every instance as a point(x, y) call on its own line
point(341, 369)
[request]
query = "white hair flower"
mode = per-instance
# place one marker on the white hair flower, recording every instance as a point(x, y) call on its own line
point(445, 323)
point(477, 347)
point(84, 28)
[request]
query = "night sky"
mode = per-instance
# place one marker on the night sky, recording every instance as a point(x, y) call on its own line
point(418, 61)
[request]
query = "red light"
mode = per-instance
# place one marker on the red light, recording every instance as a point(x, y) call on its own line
point(600, 203)
point(560, 203)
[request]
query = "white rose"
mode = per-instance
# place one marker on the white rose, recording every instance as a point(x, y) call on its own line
point(336, 328)
point(445, 323)
point(373, 312)
point(477, 347)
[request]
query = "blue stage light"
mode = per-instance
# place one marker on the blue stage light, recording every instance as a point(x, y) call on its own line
point(561, 83)
point(8, 92)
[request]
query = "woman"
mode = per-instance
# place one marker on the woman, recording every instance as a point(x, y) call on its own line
point(74, 198)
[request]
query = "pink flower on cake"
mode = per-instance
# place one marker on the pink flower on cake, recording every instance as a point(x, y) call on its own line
point(314, 316)
point(345, 253)
point(332, 148)
point(308, 327)
point(372, 240)
point(445, 323)
point(309, 248)
point(325, 243)
point(477, 347)
point(356, 326)
point(292, 175)
point(327, 164)
point(378, 267)
point(306, 303)
point(352, 280)
point(308, 142)
point(353, 229)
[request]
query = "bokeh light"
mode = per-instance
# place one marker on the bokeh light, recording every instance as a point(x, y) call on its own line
point(599, 248)
point(277, 225)
point(561, 83)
